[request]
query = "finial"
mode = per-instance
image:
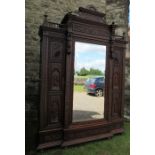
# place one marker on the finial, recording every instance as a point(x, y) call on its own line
point(113, 26)
point(124, 35)
point(45, 18)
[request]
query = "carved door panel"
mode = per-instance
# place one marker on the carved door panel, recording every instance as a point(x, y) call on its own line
point(56, 73)
point(54, 66)
point(52, 87)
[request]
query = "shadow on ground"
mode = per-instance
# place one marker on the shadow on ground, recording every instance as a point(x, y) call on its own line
point(81, 115)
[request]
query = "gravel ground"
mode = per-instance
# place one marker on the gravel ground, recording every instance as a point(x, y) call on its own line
point(87, 107)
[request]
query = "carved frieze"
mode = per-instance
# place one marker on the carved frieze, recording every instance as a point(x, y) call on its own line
point(82, 28)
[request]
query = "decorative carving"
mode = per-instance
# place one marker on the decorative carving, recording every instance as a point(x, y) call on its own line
point(116, 56)
point(53, 109)
point(45, 19)
point(115, 104)
point(56, 50)
point(69, 44)
point(116, 69)
point(55, 82)
point(91, 13)
point(91, 30)
point(113, 27)
point(56, 79)
point(116, 76)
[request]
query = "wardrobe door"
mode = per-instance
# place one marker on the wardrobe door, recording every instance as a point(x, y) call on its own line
point(52, 87)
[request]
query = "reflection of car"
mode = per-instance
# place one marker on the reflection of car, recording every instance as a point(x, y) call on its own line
point(95, 86)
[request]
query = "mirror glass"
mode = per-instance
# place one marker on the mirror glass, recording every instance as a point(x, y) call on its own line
point(89, 81)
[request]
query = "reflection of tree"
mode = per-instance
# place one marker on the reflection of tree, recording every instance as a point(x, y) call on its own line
point(83, 72)
point(95, 72)
point(92, 71)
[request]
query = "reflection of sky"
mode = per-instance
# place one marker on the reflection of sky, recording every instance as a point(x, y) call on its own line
point(89, 56)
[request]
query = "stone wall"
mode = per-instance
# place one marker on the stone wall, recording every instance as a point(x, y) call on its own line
point(116, 10)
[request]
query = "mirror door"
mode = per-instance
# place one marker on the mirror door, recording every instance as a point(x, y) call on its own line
point(89, 81)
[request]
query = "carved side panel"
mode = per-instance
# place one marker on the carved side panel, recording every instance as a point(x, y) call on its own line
point(54, 109)
point(56, 50)
point(116, 83)
point(116, 104)
point(116, 75)
point(52, 90)
point(55, 77)
point(55, 84)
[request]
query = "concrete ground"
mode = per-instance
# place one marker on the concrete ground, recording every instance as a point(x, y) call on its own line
point(87, 107)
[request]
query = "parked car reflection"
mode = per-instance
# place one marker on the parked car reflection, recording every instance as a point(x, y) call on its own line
point(95, 86)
